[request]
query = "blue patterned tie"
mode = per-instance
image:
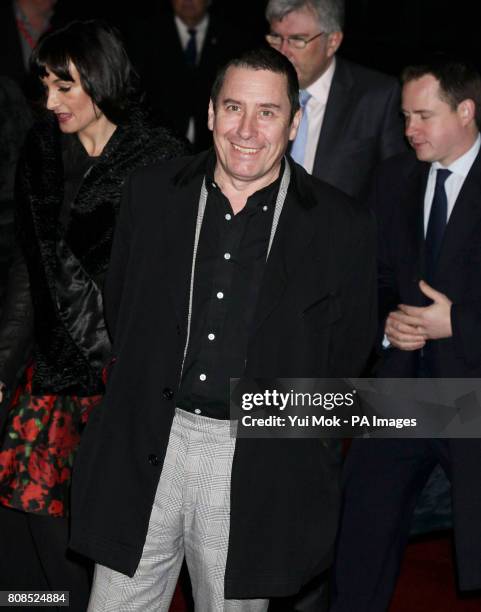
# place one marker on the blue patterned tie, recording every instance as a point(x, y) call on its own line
point(437, 223)
point(190, 51)
point(299, 145)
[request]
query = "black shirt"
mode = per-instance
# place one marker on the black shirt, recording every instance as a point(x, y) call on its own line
point(230, 263)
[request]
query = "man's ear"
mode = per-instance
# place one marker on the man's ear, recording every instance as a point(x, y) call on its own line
point(467, 111)
point(295, 124)
point(334, 40)
point(210, 116)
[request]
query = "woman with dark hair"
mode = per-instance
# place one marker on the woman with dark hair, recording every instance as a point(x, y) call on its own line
point(68, 189)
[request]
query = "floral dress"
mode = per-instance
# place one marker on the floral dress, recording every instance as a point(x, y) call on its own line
point(41, 438)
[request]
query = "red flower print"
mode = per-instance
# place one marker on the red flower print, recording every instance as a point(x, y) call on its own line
point(37, 452)
point(88, 404)
point(17, 423)
point(30, 430)
point(45, 402)
point(32, 492)
point(60, 428)
point(64, 475)
point(40, 469)
point(27, 430)
point(55, 508)
point(7, 463)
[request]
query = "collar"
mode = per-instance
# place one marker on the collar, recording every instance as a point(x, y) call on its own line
point(200, 28)
point(462, 165)
point(258, 198)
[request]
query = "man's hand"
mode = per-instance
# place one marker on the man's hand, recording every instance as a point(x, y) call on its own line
point(402, 334)
point(433, 321)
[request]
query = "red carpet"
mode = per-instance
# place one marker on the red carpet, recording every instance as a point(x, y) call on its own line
point(178, 603)
point(427, 581)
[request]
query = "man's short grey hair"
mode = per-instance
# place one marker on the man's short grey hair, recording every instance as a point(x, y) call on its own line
point(330, 13)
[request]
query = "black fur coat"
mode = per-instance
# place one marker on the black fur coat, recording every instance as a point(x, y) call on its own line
point(70, 343)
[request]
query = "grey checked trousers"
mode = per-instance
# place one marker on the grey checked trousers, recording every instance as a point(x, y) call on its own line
point(190, 516)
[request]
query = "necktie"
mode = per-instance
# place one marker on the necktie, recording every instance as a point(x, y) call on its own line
point(299, 145)
point(437, 223)
point(190, 51)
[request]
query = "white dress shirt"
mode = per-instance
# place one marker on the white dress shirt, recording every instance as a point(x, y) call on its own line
point(201, 31)
point(316, 108)
point(459, 171)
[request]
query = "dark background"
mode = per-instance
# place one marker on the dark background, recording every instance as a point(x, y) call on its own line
point(383, 34)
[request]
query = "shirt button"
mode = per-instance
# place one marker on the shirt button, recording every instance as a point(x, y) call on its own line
point(154, 460)
point(203, 377)
point(220, 295)
point(211, 336)
point(197, 411)
point(264, 208)
point(228, 217)
point(167, 393)
point(227, 256)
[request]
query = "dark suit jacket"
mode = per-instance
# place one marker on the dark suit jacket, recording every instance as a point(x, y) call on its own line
point(362, 126)
point(15, 119)
point(398, 200)
point(176, 91)
point(315, 317)
point(11, 58)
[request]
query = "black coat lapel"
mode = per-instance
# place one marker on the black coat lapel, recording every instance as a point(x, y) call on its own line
point(416, 183)
point(339, 101)
point(180, 231)
point(207, 55)
point(293, 236)
point(466, 213)
point(44, 187)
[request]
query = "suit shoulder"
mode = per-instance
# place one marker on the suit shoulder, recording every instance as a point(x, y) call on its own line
point(368, 77)
point(313, 188)
point(161, 171)
point(341, 206)
point(165, 141)
point(398, 165)
point(392, 180)
point(324, 191)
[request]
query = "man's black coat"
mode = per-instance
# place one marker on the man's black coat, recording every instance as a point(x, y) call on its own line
point(315, 317)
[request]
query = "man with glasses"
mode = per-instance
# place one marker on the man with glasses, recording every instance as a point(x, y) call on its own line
point(351, 114)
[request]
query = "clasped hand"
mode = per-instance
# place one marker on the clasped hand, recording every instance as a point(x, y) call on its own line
point(408, 327)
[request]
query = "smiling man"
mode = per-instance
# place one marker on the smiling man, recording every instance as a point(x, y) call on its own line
point(232, 262)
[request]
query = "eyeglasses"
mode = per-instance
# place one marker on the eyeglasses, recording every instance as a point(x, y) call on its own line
point(297, 42)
